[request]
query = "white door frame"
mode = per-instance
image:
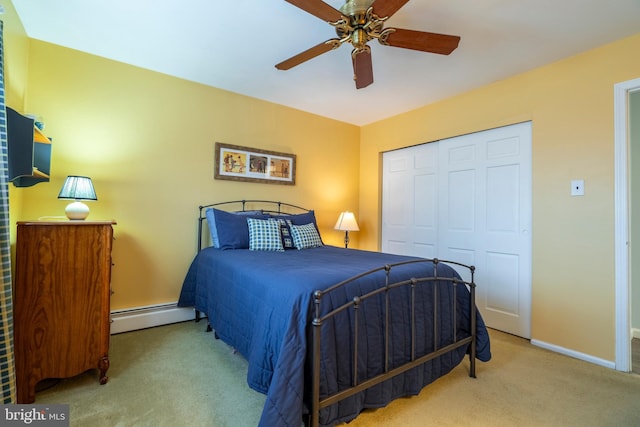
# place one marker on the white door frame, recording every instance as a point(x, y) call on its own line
point(621, 245)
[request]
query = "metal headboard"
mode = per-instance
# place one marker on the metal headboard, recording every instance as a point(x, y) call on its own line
point(266, 206)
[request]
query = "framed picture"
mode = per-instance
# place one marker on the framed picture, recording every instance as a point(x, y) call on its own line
point(238, 163)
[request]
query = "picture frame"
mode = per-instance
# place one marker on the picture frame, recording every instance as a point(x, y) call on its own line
point(237, 163)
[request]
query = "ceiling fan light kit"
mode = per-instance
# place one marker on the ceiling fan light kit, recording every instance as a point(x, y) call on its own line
point(360, 21)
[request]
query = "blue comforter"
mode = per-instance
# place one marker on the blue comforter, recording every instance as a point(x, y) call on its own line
point(261, 304)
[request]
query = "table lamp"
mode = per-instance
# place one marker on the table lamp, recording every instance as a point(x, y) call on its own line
point(77, 188)
point(346, 222)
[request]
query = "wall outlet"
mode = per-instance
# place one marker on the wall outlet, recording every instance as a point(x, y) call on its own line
point(577, 187)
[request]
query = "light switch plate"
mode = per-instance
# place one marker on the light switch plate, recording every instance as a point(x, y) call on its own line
point(577, 187)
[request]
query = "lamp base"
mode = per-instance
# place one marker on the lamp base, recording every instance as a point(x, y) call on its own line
point(77, 211)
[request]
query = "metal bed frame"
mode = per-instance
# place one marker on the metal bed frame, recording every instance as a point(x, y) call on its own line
point(358, 385)
point(357, 302)
point(270, 206)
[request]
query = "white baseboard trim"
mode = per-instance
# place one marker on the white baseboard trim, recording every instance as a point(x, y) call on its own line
point(149, 316)
point(575, 354)
point(635, 333)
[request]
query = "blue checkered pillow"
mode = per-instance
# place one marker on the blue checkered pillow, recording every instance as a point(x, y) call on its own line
point(285, 233)
point(305, 236)
point(264, 235)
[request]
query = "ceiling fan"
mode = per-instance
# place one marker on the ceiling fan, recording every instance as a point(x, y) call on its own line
point(360, 21)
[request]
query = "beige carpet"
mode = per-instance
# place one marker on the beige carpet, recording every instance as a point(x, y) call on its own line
point(179, 375)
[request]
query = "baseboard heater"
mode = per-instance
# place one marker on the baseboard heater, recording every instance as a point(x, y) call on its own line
point(132, 319)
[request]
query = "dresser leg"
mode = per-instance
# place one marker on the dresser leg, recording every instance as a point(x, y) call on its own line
point(103, 365)
point(26, 393)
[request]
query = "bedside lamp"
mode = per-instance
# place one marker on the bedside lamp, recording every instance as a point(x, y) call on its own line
point(77, 188)
point(346, 222)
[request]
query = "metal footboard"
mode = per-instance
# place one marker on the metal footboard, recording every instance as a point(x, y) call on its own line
point(358, 384)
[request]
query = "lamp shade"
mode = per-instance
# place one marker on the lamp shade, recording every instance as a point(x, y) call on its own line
point(347, 222)
point(77, 188)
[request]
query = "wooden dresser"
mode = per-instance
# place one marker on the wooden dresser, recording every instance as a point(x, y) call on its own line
point(61, 298)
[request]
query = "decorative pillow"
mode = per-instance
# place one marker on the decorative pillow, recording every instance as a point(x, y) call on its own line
point(264, 235)
point(300, 219)
point(285, 233)
point(305, 236)
point(303, 218)
point(232, 228)
point(211, 222)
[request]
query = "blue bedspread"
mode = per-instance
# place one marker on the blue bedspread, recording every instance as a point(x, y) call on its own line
point(260, 303)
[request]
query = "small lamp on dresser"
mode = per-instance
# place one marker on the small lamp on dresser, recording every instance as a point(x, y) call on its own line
point(77, 188)
point(346, 222)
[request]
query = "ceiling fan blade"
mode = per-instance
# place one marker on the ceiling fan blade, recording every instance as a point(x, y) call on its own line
point(420, 40)
point(308, 54)
point(386, 8)
point(319, 9)
point(362, 69)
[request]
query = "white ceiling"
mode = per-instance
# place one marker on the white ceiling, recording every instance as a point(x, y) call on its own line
point(234, 45)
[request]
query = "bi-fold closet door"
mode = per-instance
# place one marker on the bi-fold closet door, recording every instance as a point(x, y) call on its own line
point(468, 199)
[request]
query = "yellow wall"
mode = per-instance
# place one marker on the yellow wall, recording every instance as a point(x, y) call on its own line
point(570, 104)
point(146, 140)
